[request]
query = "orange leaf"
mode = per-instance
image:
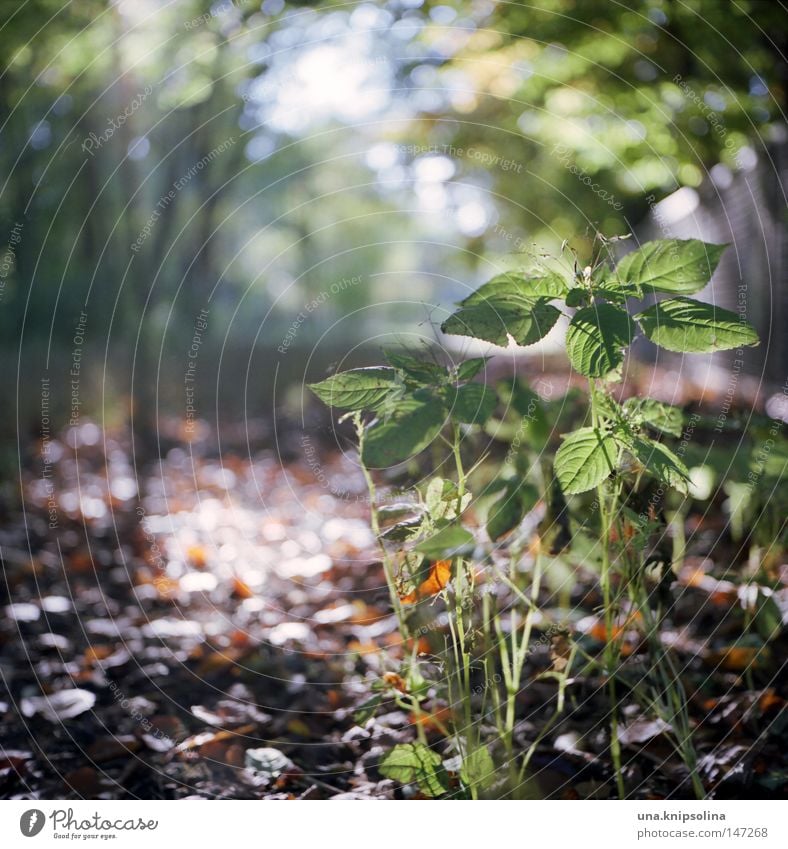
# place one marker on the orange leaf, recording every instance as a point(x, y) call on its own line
point(241, 589)
point(396, 681)
point(439, 577)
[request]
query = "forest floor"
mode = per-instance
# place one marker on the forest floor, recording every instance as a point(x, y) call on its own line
point(211, 629)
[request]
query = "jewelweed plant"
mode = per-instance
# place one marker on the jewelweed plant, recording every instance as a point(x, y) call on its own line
point(622, 455)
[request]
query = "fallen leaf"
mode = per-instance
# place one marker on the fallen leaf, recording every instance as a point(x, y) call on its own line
point(84, 781)
point(641, 731)
point(65, 704)
point(109, 748)
point(241, 589)
point(438, 578)
point(267, 762)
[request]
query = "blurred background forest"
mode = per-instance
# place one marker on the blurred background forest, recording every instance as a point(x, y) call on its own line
point(203, 207)
point(244, 194)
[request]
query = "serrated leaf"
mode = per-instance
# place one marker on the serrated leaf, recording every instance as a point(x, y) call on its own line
point(357, 389)
point(470, 368)
point(693, 327)
point(584, 460)
point(516, 288)
point(661, 462)
point(447, 543)
point(411, 763)
point(408, 429)
point(419, 370)
point(473, 403)
point(478, 769)
point(611, 290)
point(680, 267)
point(662, 417)
point(496, 321)
point(596, 338)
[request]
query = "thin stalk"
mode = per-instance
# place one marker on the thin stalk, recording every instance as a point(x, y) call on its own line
point(374, 521)
point(609, 652)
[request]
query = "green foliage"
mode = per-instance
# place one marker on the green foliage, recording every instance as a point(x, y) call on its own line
point(585, 459)
point(446, 543)
point(358, 389)
point(670, 265)
point(415, 402)
point(597, 337)
point(692, 327)
point(478, 769)
point(415, 763)
point(409, 427)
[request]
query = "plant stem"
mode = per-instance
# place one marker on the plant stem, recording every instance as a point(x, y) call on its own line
point(609, 654)
point(375, 524)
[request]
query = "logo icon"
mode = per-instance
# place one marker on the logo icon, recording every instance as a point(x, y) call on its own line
point(31, 822)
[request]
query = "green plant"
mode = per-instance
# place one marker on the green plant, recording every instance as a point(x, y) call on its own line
point(619, 453)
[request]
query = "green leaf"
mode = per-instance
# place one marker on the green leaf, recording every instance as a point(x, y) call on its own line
point(688, 326)
point(411, 763)
point(470, 368)
point(447, 543)
point(662, 417)
point(494, 321)
point(661, 462)
point(518, 498)
point(681, 267)
point(421, 371)
point(409, 429)
point(584, 460)
point(473, 403)
point(478, 769)
point(610, 290)
point(357, 389)
point(515, 288)
point(596, 338)
point(768, 617)
point(578, 297)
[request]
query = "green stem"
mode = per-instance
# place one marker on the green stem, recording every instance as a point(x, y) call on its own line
point(374, 521)
point(609, 653)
